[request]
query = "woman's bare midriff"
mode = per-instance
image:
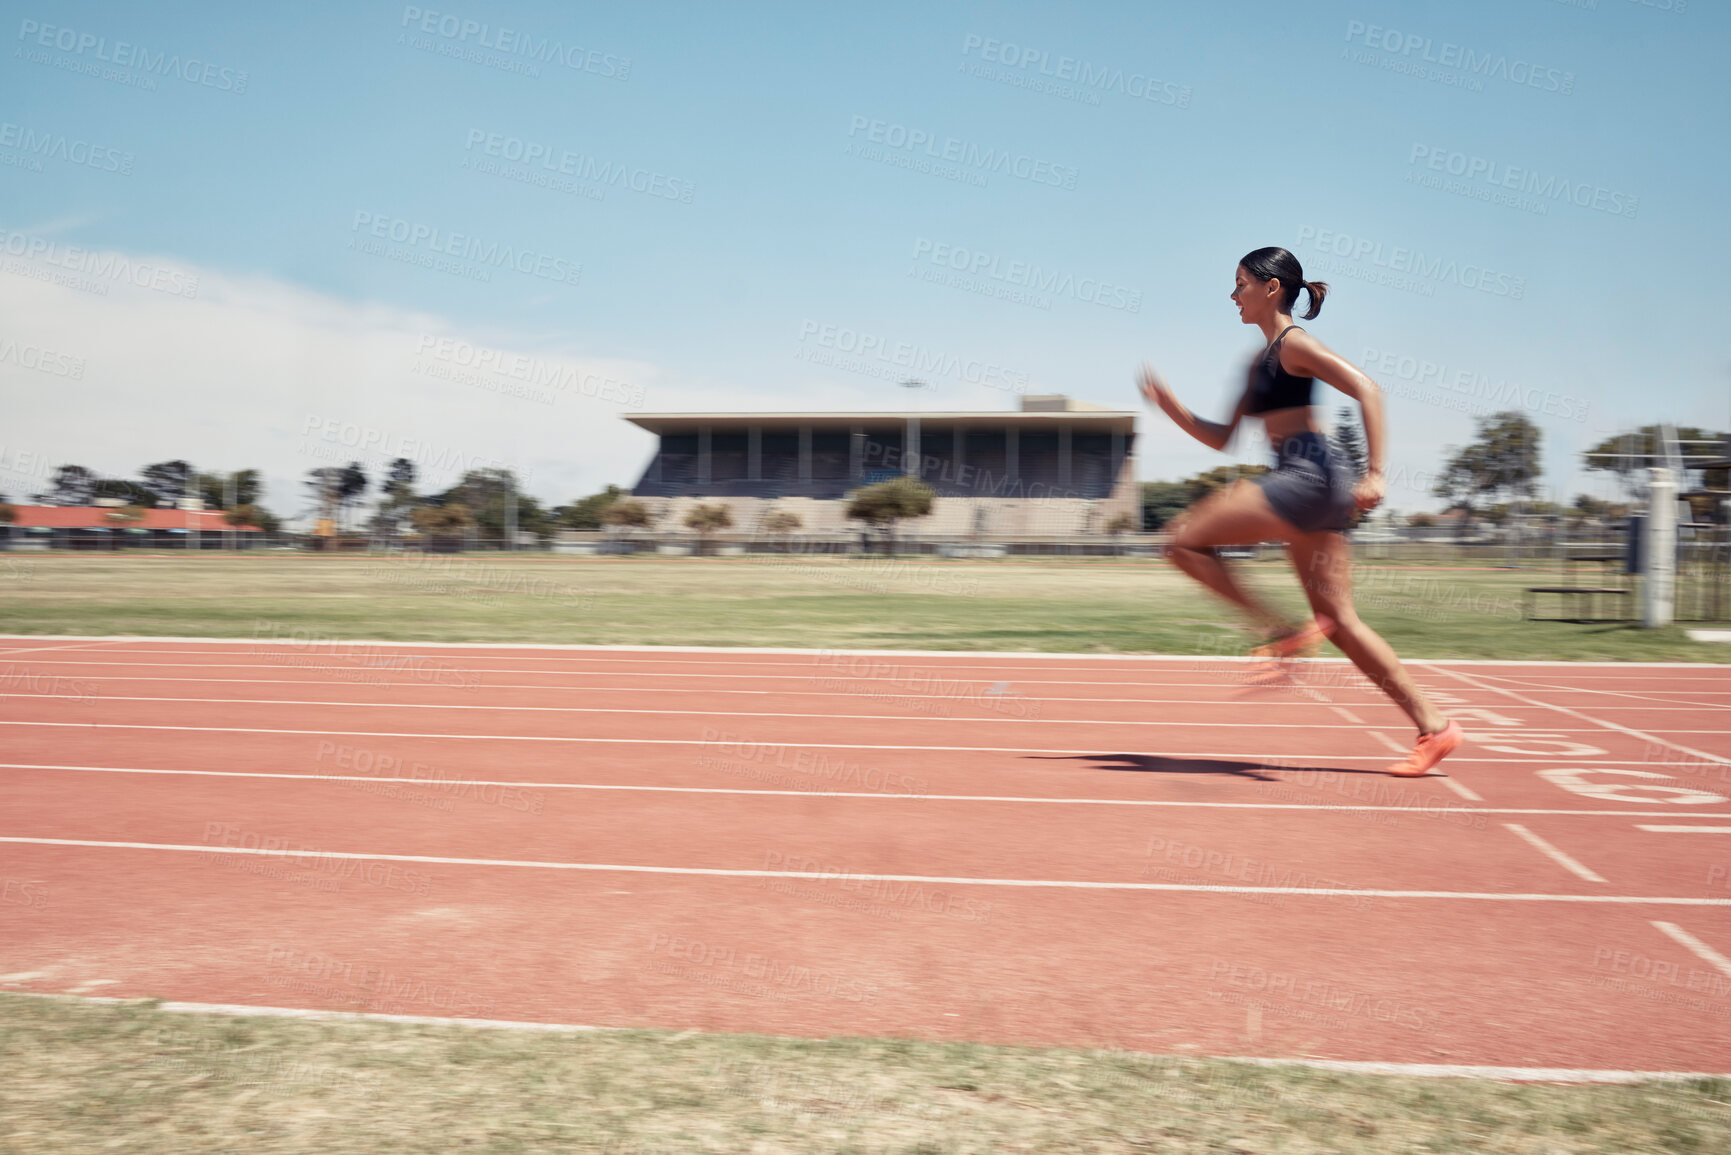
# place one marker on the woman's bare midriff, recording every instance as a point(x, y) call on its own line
point(1283, 423)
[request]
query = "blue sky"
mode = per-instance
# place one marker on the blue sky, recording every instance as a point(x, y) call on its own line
point(782, 221)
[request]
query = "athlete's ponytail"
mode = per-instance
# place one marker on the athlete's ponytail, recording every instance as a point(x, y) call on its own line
point(1277, 264)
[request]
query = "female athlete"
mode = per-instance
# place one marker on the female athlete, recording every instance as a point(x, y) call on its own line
point(1306, 502)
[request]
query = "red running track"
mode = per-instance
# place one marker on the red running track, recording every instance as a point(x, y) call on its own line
point(1110, 852)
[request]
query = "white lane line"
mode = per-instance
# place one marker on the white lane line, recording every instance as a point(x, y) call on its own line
point(1345, 713)
point(1464, 791)
point(1255, 760)
point(837, 876)
point(1528, 684)
point(1700, 949)
point(1413, 1070)
point(869, 681)
point(1389, 742)
point(858, 690)
point(301, 1013)
point(448, 784)
point(1686, 829)
point(139, 639)
point(1534, 702)
point(1554, 854)
point(48, 649)
point(1233, 725)
point(1464, 1071)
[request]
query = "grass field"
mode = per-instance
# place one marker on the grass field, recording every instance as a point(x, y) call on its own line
point(1094, 605)
point(123, 1078)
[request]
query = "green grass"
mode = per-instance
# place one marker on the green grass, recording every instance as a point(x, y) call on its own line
point(84, 1078)
point(1107, 606)
point(1063, 606)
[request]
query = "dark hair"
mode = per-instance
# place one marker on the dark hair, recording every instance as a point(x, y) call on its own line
point(1274, 263)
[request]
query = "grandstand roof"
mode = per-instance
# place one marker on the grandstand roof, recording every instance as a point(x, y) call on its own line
point(689, 422)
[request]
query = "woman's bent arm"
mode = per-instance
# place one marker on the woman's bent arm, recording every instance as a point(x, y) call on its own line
point(1210, 433)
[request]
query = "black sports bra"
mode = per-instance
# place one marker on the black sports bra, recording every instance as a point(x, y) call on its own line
point(1272, 387)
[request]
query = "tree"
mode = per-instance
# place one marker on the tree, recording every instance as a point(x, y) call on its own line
point(442, 520)
point(70, 485)
point(1348, 439)
point(490, 495)
point(706, 519)
point(254, 515)
point(171, 480)
point(122, 489)
point(126, 515)
point(1162, 501)
point(587, 512)
point(782, 521)
point(887, 502)
point(399, 496)
point(1203, 484)
point(1504, 458)
point(629, 514)
point(1643, 449)
point(214, 488)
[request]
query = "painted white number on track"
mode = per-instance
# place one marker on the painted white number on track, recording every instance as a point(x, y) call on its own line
point(1533, 742)
point(1574, 779)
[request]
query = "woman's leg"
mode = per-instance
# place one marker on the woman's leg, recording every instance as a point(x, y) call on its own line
point(1236, 515)
point(1324, 564)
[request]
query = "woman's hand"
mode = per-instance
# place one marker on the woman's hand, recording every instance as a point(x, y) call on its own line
point(1154, 388)
point(1369, 491)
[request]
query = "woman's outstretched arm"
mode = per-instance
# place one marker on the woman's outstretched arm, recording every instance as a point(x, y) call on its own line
point(1308, 357)
point(1210, 433)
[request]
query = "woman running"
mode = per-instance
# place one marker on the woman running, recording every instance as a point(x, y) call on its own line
point(1307, 501)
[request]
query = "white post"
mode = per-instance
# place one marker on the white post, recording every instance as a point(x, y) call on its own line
point(1659, 550)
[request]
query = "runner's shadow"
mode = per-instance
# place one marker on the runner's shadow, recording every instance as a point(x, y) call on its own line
point(1160, 764)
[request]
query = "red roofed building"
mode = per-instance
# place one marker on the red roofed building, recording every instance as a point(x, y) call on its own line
point(97, 517)
point(94, 527)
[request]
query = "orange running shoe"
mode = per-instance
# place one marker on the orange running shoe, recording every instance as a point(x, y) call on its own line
point(1431, 749)
point(1300, 643)
point(1276, 665)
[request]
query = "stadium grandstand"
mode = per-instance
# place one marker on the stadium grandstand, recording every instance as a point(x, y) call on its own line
point(1055, 468)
